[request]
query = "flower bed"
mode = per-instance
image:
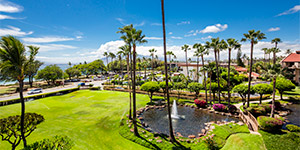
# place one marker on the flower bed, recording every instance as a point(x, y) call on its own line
point(270, 124)
point(220, 107)
point(200, 103)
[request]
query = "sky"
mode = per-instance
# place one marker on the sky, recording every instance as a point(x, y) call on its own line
point(82, 30)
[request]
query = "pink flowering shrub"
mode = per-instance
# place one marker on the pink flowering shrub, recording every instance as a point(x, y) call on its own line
point(220, 107)
point(269, 124)
point(200, 103)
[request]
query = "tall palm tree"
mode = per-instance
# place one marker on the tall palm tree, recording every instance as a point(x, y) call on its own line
point(105, 54)
point(185, 48)
point(252, 36)
point(152, 52)
point(166, 74)
point(112, 56)
point(265, 50)
point(288, 51)
point(231, 45)
point(274, 51)
point(13, 64)
point(216, 44)
point(120, 54)
point(126, 37)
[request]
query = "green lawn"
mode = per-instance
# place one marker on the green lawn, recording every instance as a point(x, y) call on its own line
point(90, 118)
point(281, 141)
point(238, 142)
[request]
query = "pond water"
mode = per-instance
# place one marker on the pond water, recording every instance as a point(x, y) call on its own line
point(294, 117)
point(191, 122)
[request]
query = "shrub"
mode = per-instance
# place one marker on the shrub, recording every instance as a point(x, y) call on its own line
point(277, 105)
point(257, 110)
point(269, 124)
point(293, 128)
point(195, 87)
point(219, 107)
point(232, 109)
point(200, 103)
point(150, 87)
point(57, 143)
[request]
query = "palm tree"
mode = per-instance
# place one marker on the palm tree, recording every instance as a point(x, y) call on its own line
point(13, 64)
point(120, 54)
point(265, 50)
point(253, 37)
point(216, 44)
point(231, 44)
point(185, 48)
point(166, 74)
point(288, 51)
point(105, 54)
point(152, 51)
point(274, 51)
point(112, 56)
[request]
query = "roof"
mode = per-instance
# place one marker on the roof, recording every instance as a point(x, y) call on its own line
point(293, 57)
point(241, 69)
point(253, 74)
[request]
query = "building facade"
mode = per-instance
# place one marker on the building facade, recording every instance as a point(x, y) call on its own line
point(292, 63)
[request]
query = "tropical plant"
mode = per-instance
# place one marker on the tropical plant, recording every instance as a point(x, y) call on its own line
point(186, 48)
point(283, 85)
point(195, 87)
point(152, 52)
point(13, 63)
point(11, 128)
point(220, 107)
point(261, 89)
point(105, 54)
point(50, 73)
point(269, 124)
point(242, 90)
point(200, 103)
point(179, 86)
point(150, 87)
point(231, 45)
point(163, 86)
point(72, 72)
point(288, 51)
point(252, 36)
point(32, 70)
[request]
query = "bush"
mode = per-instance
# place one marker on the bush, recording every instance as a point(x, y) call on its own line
point(150, 87)
point(257, 110)
point(195, 87)
point(269, 124)
point(293, 128)
point(95, 88)
point(200, 103)
point(277, 105)
point(219, 107)
point(55, 143)
point(232, 109)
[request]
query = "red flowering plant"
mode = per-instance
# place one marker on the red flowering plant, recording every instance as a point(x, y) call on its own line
point(220, 107)
point(200, 103)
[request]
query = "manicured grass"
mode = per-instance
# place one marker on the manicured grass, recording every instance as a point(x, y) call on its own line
point(295, 91)
point(90, 118)
point(281, 141)
point(238, 142)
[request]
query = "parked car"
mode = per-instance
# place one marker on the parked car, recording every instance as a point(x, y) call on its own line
point(81, 84)
point(35, 91)
point(75, 80)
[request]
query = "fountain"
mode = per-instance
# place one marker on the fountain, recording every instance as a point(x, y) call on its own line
point(174, 114)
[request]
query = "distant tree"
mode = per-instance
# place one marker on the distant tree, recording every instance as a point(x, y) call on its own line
point(283, 85)
point(72, 72)
point(10, 127)
point(239, 58)
point(186, 48)
point(152, 52)
point(50, 73)
point(105, 54)
point(162, 85)
point(32, 70)
point(288, 51)
point(179, 86)
point(195, 87)
point(213, 86)
point(150, 87)
point(262, 88)
point(252, 36)
point(242, 89)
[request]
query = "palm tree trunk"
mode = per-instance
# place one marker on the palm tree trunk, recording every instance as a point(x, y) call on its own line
point(204, 79)
point(228, 82)
point(128, 86)
point(210, 87)
point(250, 73)
point(134, 93)
point(217, 65)
point(187, 67)
point(273, 97)
point(152, 66)
point(197, 69)
point(166, 74)
point(21, 84)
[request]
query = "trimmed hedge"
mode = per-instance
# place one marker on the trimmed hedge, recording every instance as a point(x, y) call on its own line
point(270, 124)
point(293, 128)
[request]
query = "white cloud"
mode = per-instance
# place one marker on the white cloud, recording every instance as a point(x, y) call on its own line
point(2, 17)
point(176, 37)
point(204, 38)
point(9, 7)
point(274, 29)
point(122, 21)
point(214, 28)
point(79, 37)
point(184, 22)
point(291, 11)
point(170, 33)
point(140, 24)
point(46, 39)
point(53, 47)
point(14, 31)
point(153, 38)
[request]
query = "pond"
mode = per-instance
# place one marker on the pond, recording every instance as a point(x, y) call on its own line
point(191, 122)
point(294, 117)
